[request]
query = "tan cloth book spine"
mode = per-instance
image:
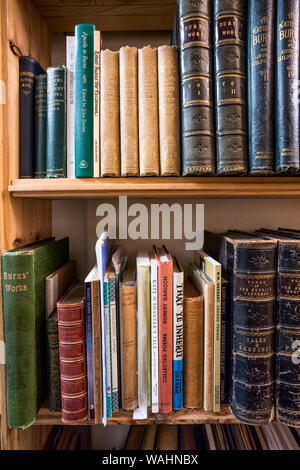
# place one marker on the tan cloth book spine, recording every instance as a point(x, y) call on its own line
point(192, 347)
point(129, 111)
point(148, 112)
point(128, 346)
point(110, 114)
point(169, 126)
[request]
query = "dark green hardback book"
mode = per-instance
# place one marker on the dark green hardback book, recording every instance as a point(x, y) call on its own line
point(196, 73)
point(40, 125)
point(230, 87)
point(287, 87)
point(23, 287)
point(84, 100)
point(53, 371)
point(56, 160)
point(261, 54)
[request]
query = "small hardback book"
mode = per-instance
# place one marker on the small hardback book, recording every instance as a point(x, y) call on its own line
point(70, 53)
point(29, 70)
point(57, 283)
point(178, 292)
point(128, 328)
point(97, 348)
point(113, 337)
point(206, 286)
point(192, 346)
point(169, 119)
point(148, 112)
point(110, 114)
point(56, 142)
point(165, 330)
point(154, 330)
point(40, 125)
point(97, 48)
point(213, 270)
point(84, 100)
point(89, 342)
point(53, 373)
point(129, 132)
point(23, 289)
point(231, 87)
point(72, 354)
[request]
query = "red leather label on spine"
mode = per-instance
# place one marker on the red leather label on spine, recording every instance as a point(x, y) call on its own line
point(73, 334)
point(70, 315)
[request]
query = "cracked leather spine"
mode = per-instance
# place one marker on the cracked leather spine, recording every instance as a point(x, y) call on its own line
point(196, 77)
point(230, 87)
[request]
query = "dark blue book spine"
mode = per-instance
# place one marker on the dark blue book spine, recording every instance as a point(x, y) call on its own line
point(89, 350)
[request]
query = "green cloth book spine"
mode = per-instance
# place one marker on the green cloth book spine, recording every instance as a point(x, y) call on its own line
point(40, 125)
point(23, 288)
point(56, 123)
point(84, 100)
point(53, 371)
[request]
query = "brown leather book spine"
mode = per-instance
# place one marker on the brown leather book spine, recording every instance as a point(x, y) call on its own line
point(148, 112)
point(169, 127)
point(129, 111)
point(128, 346)
point(110, 114)
point(72, 351)
point(193, 351)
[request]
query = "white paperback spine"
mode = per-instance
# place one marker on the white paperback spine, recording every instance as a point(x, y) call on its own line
point(70, 49)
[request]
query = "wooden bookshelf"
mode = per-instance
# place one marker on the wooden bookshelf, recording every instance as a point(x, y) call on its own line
point(208, 187)
point(186, 416)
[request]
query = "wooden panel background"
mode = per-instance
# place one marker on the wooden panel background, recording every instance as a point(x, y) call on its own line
point(21, 221)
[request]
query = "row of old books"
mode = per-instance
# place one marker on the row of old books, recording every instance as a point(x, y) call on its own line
point(209, 437)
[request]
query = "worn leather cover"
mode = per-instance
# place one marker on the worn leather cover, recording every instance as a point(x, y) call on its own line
point(84, 100)
point(261, 54)
point(29, 69)
point(196, 73)
point(192, 346)
point(72, 352)
point(40, 125)
point(148, 112)
point(53, 373)
point(110, 114)
point(287, 87)
point(56, 143)
point(23, 289)
point(230, 87)
point(169, 121)
point(129, 111)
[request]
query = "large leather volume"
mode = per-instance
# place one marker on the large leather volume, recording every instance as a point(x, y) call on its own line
point(72, 353)
point(29, 69)
point(197, 107)
point(110, 114)
point(129, 111)
point(53, 384)
point(169, 125)
point(230, 87)
point(261, 51)
point(40, 125)
point(287, 84)
point(148, 112)
point(56, 144)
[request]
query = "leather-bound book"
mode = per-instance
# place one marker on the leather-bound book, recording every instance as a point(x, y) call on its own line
point(110, 114)
point(56, 142)
point(72, 352)
point(250, 264)
point(261, 54)
point(287, 85)
point(40, 125)
point(148, 112)
point(196, 75)
point(129, 111)
point(169, 122)
point(29, 69)
point(192, 346)
point(230, 87)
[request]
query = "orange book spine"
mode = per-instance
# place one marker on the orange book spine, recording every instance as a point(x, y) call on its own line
point(165, 337)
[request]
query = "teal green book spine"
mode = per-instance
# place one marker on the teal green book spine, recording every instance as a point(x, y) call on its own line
point(23, 290)
point(56, 160)
point(40, 125)
point(84, 101)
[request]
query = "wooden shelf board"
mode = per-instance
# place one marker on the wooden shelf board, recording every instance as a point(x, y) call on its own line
point(207, 187)
point(185, 416)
